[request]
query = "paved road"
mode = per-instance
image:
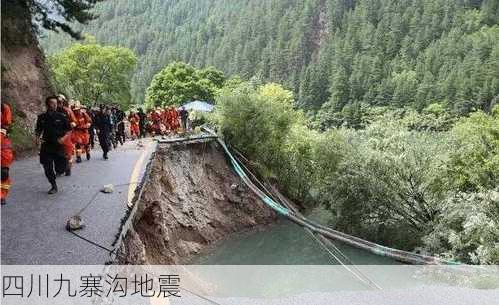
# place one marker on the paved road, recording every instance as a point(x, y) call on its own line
point(33, 223)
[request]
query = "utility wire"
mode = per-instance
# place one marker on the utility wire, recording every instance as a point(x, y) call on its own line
point(92, 242)
point(267, 192)
point(200, 296)
point(111, 251)
point(97, 193)
point(353, 270)
point(326, 242)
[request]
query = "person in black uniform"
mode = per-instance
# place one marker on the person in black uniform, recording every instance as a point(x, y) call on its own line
point(120, 125)
point(91, 130)
point(52, 126)
point(184, 116)
point(104, 127)
point(142, 123)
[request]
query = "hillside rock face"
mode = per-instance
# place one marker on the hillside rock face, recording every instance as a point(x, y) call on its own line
point(25, 77)
point(191, 200)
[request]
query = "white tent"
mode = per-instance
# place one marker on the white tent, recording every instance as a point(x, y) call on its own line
point(198, 106)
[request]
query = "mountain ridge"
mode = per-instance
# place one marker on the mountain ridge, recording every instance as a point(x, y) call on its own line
point(331, 53)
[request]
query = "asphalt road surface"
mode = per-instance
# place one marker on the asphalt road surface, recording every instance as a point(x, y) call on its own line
point(417, 296)
point(33, 222)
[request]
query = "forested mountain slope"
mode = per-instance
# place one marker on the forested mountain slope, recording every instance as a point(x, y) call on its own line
point(330, 52)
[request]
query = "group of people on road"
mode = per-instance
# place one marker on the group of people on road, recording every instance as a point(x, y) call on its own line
point(162, 121)
point(67, 130)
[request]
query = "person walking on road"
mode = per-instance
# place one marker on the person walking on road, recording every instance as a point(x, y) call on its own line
point(54, 129)
point(91, 130)
point(104, 126)
point(80, 135)
point(7, 152)
point(63, 107)
point(142, 122)
point(134, 120)
point(120, 126)
point(156, 119)
point(111, 110)
point(184, 115)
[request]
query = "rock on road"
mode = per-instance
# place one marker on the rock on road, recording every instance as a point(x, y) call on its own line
point(33, 222)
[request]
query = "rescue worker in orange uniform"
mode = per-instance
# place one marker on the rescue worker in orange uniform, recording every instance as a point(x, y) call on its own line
point(80, 135)
point(165, 120)
point(175, 121)
point(163, 126)
point(7, 152)
point(156, 121)
point(172, 114)
point(63, 107)
point(134, 120)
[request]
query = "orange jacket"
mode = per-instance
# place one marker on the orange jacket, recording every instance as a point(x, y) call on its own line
point(5, 143)
point(155, 117)
point(82, 120)
point(6, 119)
point(164, 116)
point(134, 119)
point(71, 116)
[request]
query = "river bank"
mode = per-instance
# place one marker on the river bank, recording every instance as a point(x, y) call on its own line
point(191, 200)
point(281, 243)
point(195, 210)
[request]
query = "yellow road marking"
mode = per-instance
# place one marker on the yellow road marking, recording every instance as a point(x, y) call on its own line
point(131, 192)
point(134, 178)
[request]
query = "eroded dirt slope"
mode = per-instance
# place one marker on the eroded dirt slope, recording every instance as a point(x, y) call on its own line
point(191, 200)
point(25, 75)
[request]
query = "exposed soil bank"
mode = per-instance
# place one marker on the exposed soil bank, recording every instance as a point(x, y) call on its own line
point(192, 199)
point(25, 75)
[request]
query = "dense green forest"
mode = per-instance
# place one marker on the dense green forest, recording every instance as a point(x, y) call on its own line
point(330, 53)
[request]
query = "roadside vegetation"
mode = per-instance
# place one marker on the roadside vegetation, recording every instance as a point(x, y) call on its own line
point(93, 73)
point(180, 82)
point(422, 181)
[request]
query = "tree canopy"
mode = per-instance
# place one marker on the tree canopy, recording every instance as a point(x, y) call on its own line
point(58, 15)
point(179, 82)
point(405, 179)
point(93, 73)
point(331, 53)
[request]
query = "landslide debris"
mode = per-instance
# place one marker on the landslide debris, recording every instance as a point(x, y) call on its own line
point(192, 199)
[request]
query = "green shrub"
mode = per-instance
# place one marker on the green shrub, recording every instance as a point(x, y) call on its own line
point(393, 176)
point(179, 82)
point(257, 121)
point(474, 159)
point(468, 228)
point(387, 182)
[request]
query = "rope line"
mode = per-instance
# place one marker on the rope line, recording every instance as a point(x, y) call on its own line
point(200, 296)
point(357, 273)
point(399, 255)
point(93, 242)
point(94, 196)
point(97, 193)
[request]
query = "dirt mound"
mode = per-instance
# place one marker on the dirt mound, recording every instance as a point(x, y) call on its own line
point(25, 75)
point(191, 200)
